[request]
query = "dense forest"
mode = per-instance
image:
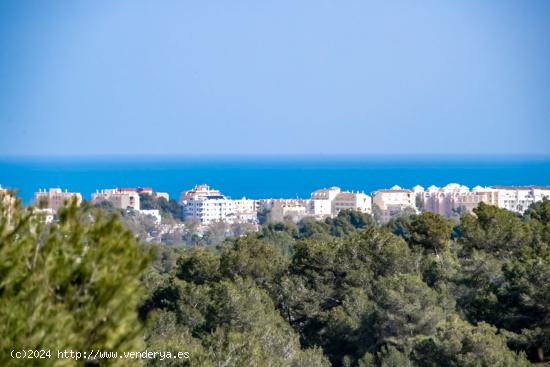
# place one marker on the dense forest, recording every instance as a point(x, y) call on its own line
point(421, 290)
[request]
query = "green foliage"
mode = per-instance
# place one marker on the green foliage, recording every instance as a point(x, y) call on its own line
point(460, 344)
point(168, 208)
point(406, 308)
point(494, 230)
point(69, 285)
point(227, 322)
point(343, 291)
point(431, 231)
point(199, 265)
point(254, 259)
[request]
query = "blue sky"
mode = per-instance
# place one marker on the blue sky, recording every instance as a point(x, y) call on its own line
point(272, 77)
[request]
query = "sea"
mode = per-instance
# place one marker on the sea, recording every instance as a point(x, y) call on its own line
point(266, 176)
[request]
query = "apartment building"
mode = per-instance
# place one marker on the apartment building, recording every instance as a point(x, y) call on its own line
point(321, 201)
point(293, 209)
point(245, 210)
point(518, 198)
point(55, 198)
point(207, 205)
point(393, 201)
point(329, 202)
point(454, 198)
point(120, 198)
point(352, 200)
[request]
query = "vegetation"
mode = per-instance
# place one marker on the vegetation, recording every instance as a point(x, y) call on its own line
point(73, 285)
point(169, 209)
point(419, 291)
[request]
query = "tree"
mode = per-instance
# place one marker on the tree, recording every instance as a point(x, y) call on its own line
point(168, 208)
point(406, 308)
point(200, 265)
point(348, 221)
point(431, 231)
point(251, 258)
point(457, 343)
point(494, 230)
point(73, 284)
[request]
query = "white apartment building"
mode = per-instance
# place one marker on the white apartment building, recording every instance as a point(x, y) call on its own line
point(55, 198)
point(352, 200)
point(519, 198)
point(207, 205)
point(321, 201)
point(329, 202)
point(393, 201)
point(120, 198)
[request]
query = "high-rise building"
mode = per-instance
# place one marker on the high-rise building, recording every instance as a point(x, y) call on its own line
point(207, 205)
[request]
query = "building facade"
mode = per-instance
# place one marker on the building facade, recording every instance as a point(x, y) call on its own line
point(454, 199)
point(394, 201)
point(322, 201)
point(120, 198)
point(207, 205)
point(329, 202)
point(518, 198)
point(352, 200)
point(55, 198)
point(292, 209)
point(245, 210)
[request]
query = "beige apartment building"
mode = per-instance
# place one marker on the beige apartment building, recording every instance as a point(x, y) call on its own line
point(120, 198)
point(55, 198)
point(393, 201)
point(453, 199)
point(294, 209)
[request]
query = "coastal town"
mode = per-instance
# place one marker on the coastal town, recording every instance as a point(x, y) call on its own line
point(204, 206)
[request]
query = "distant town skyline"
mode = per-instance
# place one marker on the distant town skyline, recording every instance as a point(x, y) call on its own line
point(247, 78)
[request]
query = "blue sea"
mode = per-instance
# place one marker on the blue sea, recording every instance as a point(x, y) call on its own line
point(264, 177)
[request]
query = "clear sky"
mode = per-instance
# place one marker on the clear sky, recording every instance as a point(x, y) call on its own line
point(271, 77)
